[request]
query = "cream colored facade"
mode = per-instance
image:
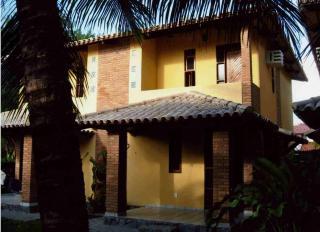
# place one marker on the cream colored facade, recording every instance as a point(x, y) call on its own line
point(157, 69)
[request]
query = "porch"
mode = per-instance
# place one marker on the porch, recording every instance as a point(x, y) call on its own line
point(227, 133)
point(163, 217)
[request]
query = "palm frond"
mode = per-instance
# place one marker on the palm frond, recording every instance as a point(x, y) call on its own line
point(280, 15)
point(109, 15)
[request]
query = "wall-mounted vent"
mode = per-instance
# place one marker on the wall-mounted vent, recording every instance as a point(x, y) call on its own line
point(318, 53)
point(274, 58)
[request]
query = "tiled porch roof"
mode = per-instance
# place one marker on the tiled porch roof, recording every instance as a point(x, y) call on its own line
point(190, 105)
point(309, 111)
point(14, 119)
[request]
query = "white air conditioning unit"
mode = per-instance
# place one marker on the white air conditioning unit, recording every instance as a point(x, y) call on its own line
point(274, 58)
point(318, 53)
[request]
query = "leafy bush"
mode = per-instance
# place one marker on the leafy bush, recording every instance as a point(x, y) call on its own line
point(284, 197)
point(98, 198)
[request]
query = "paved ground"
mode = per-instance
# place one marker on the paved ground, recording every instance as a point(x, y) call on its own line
point(96, 224)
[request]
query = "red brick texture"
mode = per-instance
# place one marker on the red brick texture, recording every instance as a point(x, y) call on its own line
point(116, 194)
point(17, 151)
point(246, 68)
point(247, 171)
point(113, 82)
point(220, 150)
point(29, 193)
point(250, 92)
point(113, 70)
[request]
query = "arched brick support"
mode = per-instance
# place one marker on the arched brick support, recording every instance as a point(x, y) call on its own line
point(116, 174)
point(29, 191)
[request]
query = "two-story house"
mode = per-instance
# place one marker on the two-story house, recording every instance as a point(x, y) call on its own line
point(181, 115)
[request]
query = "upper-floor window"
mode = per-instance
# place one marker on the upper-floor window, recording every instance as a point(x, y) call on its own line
point(221, 66)
point(189, 67)
point(228, 63)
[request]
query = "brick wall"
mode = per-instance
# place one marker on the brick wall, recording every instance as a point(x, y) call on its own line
point(113, 79)
point(246, 68)
point(250, 92)
point(220, 152)
point(116, 174)
point(113, 82)
point(29, 194)
point(247, 171)
point(17, 151)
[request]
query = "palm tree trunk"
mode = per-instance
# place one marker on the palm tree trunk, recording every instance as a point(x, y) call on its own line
point(55, 141)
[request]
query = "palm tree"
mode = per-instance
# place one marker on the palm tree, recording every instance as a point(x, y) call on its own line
point(40, 62)
point(36, 62)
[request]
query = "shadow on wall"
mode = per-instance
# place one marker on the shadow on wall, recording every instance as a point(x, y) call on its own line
point(148, 168)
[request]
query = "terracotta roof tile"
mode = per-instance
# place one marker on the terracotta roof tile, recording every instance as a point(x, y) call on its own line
point(182, 106)
point(301, 129)
point(189, 105)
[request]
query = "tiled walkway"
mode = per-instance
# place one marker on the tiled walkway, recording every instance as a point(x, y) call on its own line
point(186, 216)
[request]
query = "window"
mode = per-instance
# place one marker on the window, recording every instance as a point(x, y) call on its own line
point(221, 66)
point(228, 63)
point(175, 149)
point(189, 67)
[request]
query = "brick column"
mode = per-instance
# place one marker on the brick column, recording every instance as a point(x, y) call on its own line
point(18, 157)
point(116, 174)
point(247, 171)
point(221, 162)
point(250, 92)
point(246, 68)
point(29, 193)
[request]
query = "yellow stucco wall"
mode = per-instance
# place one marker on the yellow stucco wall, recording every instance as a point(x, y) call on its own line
point(87, 150)
point(148, 179)
point(88, 104)
point(268, 99)
point(149, 64)
point(286, 101)
point(170, 63)
point(262, 78)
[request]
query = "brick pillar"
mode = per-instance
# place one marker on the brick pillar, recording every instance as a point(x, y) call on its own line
point(18, 157)
point(247, 171)
point(221, 163)
point(29, 193)
point(116, 174)
point(250, 92)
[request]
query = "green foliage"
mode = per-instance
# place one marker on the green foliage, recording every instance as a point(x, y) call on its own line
point(98, 198)
point(282, 197)
point(83, 35)
point(7, 151)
